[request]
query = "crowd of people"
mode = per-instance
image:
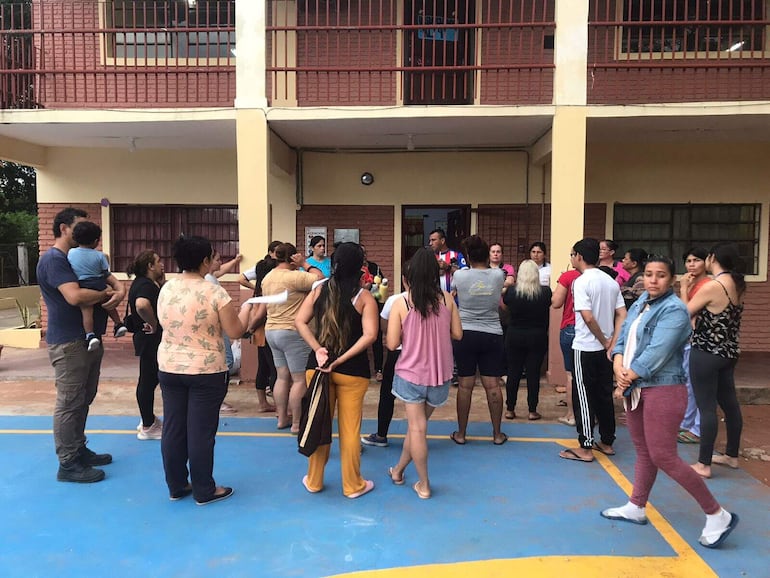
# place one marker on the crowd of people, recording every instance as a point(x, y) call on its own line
point(624, 334)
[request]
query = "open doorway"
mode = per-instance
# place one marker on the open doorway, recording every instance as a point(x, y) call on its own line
point(418, 221)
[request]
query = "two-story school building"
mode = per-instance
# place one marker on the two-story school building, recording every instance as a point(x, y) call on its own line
point(645, 121)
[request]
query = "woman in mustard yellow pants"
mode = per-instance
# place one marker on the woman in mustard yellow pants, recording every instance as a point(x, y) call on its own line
point(346, 324)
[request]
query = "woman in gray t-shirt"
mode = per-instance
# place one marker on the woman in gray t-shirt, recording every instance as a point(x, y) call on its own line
point(478, 291)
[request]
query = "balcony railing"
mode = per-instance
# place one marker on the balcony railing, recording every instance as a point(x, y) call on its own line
point(415, 52)
point(143, 53)
point(647, 51)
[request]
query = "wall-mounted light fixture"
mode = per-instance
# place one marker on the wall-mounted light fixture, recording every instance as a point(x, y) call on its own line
point(367, 179)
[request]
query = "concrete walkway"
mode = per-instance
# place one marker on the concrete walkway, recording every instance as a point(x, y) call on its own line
point(513, 510)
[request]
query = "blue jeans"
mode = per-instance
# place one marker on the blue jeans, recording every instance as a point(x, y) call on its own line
point(691, 420)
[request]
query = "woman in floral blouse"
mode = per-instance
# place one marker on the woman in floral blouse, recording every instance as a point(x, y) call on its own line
point(193, 373)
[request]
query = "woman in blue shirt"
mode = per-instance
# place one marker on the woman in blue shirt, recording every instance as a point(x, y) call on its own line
point(647, 361)
point(318, 258)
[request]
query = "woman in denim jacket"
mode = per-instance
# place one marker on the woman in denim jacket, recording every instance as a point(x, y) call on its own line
point(647, 361)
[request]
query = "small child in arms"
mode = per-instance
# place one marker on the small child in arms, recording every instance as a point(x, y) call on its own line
point(92, 269)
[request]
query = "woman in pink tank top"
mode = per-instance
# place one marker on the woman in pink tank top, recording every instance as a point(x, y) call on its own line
point(424, 323)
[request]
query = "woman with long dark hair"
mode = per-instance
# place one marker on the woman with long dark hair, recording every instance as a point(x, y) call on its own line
point(424, 322)
point(193, 372)
point(647, 362)
point(143, 302)
point(346, 318)
point(714, 353)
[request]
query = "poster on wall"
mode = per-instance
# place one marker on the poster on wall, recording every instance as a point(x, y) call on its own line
point(346, 236)
point(311, 232)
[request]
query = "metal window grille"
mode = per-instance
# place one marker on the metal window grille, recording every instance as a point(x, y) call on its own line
point(673, 229)
point(136, 228)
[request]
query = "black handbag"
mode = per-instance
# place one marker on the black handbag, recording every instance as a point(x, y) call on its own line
point(315, 426)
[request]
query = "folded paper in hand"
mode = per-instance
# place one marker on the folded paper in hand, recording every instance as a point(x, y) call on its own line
point(277, 298)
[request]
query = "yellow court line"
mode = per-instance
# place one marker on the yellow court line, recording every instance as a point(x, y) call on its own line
point(687, 562)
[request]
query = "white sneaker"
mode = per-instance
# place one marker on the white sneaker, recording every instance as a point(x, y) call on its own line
point(93, 344)
point(154, 432)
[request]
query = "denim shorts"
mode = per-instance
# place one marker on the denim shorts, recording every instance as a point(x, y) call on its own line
point(289, 349)
point(433, 395)
point(566, 337)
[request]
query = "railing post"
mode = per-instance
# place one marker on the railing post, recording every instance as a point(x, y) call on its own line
point(23, 260)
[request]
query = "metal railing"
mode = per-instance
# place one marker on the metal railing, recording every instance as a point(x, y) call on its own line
point(358, 52)
point(145, 53)
point(642, 51)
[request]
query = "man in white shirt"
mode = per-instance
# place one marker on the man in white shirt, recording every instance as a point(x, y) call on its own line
point(599, 314)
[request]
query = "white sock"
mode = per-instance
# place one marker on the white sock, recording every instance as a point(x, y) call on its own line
point(629, 511)
point(716, 524)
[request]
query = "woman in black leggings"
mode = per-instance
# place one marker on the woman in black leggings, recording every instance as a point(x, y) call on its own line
point(143, 302)
point(718, 307)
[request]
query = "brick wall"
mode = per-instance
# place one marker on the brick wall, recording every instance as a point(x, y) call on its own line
point(755, 331)
point(516, 227)
point(346, 48)
point(82, 80)
point(374, 222)
point(517, 46)
point(46, 214)
point(654, 85)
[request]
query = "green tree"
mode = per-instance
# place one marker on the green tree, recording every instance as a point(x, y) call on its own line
point(18, 203)
point(18, 188)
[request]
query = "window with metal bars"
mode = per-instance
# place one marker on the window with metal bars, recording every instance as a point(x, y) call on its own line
point(707, 26)
point(152, 28)
point(136, 228)
point(673, 229)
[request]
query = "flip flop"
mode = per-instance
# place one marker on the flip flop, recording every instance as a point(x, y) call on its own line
point(561, 403)
point(422, 494)
point(396, 481)
point(733, 523)
point(687, 437)
point(502, 441)
point(599, 449)
point(455, 440)
point(570, 421)
point(570, 454)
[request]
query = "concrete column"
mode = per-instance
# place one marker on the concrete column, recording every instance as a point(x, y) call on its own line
point(571, 52)
point(250, 46)
point(253, 157)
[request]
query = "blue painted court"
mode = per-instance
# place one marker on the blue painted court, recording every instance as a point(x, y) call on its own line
point(513, 510)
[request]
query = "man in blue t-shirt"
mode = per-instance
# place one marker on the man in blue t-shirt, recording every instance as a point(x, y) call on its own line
point(76, 369)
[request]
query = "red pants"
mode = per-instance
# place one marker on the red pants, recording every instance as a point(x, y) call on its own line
point(653, 426)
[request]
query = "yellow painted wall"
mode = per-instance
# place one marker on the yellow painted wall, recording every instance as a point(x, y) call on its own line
point(415, 178)
point(717, 172)
point(74, 175)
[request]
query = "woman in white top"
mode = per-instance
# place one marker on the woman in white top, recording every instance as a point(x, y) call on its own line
point(537, 253)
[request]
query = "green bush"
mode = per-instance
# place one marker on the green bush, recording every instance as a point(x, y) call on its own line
point(18, 227)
